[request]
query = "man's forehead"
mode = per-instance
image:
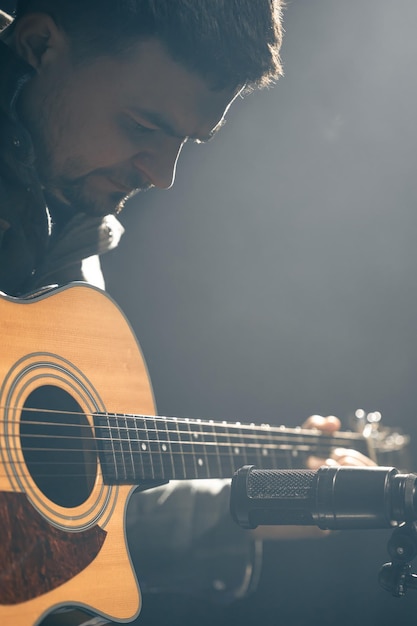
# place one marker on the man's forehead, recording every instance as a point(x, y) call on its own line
point(172, 97)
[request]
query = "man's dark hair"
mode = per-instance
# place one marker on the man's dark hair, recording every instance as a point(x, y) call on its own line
point(229, 43)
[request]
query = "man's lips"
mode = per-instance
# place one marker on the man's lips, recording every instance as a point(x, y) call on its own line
point(123, 188)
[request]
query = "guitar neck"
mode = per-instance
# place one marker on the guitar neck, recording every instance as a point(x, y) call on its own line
point(136, 448)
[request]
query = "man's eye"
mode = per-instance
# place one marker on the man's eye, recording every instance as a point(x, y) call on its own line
point(140, 128)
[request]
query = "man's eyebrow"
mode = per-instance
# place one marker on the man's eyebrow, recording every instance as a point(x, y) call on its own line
point(158, 120)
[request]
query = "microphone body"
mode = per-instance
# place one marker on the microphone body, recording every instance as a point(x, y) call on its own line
point(331, 498)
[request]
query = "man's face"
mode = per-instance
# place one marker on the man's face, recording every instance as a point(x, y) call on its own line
point(115, 125)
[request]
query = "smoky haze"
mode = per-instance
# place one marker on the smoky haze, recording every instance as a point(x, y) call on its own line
point(277, 279)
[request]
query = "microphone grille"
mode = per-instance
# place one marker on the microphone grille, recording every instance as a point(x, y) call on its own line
point(280, 483)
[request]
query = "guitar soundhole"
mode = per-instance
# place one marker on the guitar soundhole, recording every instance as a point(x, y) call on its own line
point(58, 446)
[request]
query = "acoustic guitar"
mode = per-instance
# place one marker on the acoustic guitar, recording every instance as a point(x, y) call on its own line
point(78, 433)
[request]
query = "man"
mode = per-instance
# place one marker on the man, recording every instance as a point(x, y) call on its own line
point(99, 136)
point(97, 100)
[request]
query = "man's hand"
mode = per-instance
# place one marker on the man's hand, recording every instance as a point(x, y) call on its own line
point(339, 456)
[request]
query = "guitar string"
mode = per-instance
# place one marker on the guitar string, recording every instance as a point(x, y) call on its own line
point(318, 443)
point(90, 467)
point(167, 446)
point(263, 434)
point(259, 430)
point(152, 469)
point(132, 479)
point(254, 446)
point(174, 420)
point(195, 436)
point(224, 458)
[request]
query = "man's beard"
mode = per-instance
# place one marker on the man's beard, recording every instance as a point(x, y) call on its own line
point(78, 194)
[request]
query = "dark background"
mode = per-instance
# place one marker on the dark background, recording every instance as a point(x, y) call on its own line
point(278, 277)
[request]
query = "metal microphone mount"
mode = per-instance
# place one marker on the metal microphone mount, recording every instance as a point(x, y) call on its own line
point(396, 576)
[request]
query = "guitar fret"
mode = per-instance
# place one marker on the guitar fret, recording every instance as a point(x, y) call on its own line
point(118, 447)
point(257, 451)
point(165, 447)
point(212, 450)
point(109, 445)
point(190, 458)
point(226, 454)
point(273, 454)
point(128, 465)
point(145, 452)
point(268, 451)
point(113, 451)
point(251, 449)
point(240, 454)
point(137, 452)
point(155, 449)
point(201, 445)
point(296, 453)
point(177, 452)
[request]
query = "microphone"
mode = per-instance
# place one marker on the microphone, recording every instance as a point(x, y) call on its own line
point(332, 498)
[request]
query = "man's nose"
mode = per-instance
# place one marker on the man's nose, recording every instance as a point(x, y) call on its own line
point(159, 162)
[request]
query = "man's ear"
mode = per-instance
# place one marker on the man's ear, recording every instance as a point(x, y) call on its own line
point(37, 39)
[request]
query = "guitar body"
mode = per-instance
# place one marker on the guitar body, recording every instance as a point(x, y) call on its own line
point(78, 433)
point(63, 540)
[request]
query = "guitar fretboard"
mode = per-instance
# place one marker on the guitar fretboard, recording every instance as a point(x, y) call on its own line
point(143, 448)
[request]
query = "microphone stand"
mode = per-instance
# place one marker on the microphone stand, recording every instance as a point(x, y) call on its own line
point(396, 576)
